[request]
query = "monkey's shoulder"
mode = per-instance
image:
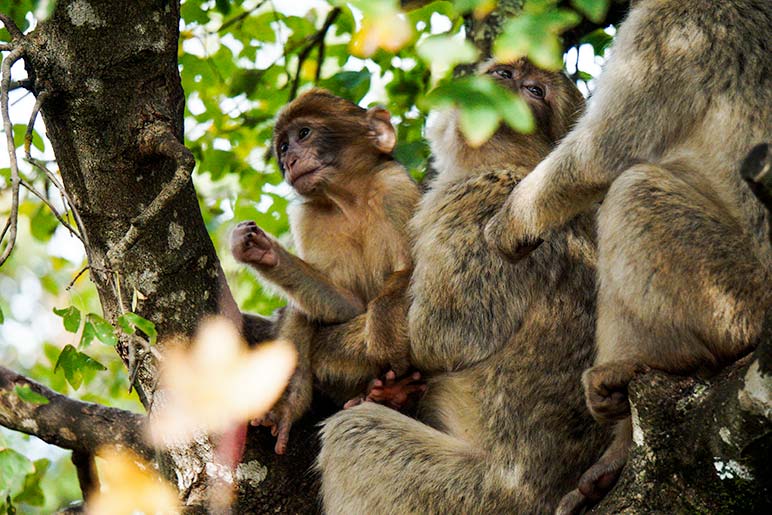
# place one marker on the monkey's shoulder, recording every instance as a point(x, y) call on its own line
point(474, 198)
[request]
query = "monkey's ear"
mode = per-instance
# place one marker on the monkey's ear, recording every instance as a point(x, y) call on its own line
point(382, 131)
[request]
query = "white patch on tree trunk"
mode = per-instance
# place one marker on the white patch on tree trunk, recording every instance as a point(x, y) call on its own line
point(81, 13)
point(756, 395)
point(730, 469)
point(176, 236)
point(252, 472)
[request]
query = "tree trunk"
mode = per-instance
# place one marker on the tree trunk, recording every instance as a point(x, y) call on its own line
point(114, 114)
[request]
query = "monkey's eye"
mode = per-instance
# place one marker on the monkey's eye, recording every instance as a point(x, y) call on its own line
point(535, 90)
point(503, 73)
point(283, 147)
point(302, 133)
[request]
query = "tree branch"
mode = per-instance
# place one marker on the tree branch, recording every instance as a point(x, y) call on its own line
point(11, 27)
point(5, 82)
point(69, 423)
point(157, 139)
point(315, 40)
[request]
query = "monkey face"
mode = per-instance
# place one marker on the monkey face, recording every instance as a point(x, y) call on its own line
point(546, 93)
point(321, 140)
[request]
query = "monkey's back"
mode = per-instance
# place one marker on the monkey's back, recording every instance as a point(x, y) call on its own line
point(520, 333)
point(702, 74)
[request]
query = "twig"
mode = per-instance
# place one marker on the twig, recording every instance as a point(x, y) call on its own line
point(11, 27)
point(315, 40)
point(85, 466)
point(77, 276)
point(14, 56)
point(68, 200)
point(6, 47)
point(59, 217)
point(31, 124)
point(23, 83)
point(157, 139)
point(240, 17)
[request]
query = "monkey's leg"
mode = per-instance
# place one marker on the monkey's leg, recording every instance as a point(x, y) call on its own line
point(376, 460)
point(682, 284)
point(299, 392)
point(599, 479)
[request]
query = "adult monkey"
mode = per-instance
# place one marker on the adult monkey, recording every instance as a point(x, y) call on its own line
point(504, 425)
point(684, 258)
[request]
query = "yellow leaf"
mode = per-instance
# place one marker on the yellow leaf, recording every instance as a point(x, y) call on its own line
point(130, 485)
point(217, 383)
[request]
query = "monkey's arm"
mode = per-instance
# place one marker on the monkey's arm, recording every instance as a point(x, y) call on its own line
point(311, 292)
point(629, 119)
point(364, 346)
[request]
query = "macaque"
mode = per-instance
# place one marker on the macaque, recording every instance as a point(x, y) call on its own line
point(350, 232)
point(684, 256)
point(502, 427)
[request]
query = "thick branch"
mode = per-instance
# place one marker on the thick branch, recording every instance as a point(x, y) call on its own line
point(11, 27)
point(68, 423)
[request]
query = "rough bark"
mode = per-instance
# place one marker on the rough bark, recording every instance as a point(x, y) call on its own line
point(114, 114)
point(701, 446)
point(68, 423)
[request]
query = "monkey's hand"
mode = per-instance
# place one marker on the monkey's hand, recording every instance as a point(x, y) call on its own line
point(508, 236)
point(390, 391)
point(605, 388)
point(292, 405)
point(251, 245)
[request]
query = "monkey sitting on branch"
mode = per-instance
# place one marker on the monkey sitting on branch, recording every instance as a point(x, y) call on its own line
point(350, 232)
point(503, 427)
point(685, 262)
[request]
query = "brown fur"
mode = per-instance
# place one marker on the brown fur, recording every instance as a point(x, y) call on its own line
point(503, 425)
point(350, 232)
point(684, 258)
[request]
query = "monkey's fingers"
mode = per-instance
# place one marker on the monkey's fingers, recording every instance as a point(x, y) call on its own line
point(572, 503)
point(356, 401)
point(503, 238)
point(282, 433)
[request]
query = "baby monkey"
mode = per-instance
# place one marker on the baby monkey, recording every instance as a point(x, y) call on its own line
point(350, 232)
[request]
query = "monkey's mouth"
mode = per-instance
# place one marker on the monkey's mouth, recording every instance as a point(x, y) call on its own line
point(303, 173)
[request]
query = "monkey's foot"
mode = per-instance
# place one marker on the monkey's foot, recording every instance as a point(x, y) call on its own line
point(503, 238)
point(280, 423)
point(599, 479)
point(572, 503)
point(605, 389)
point(391, 392)
point(250, 244)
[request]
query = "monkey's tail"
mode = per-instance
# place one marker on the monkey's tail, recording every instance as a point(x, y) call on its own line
point(376, 460)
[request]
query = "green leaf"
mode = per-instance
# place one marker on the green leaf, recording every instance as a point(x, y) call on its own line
point(594, 10)
point(103, 330)
point(2, 316)
point(77, 366)
point(71, 318)
point(43, 224)
point(536, 35)
point(130, 322)
point(13, 468)
point(599, 39)
point(31, 492)
point(349, 84)
point(478, 124)
point(26, 394)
